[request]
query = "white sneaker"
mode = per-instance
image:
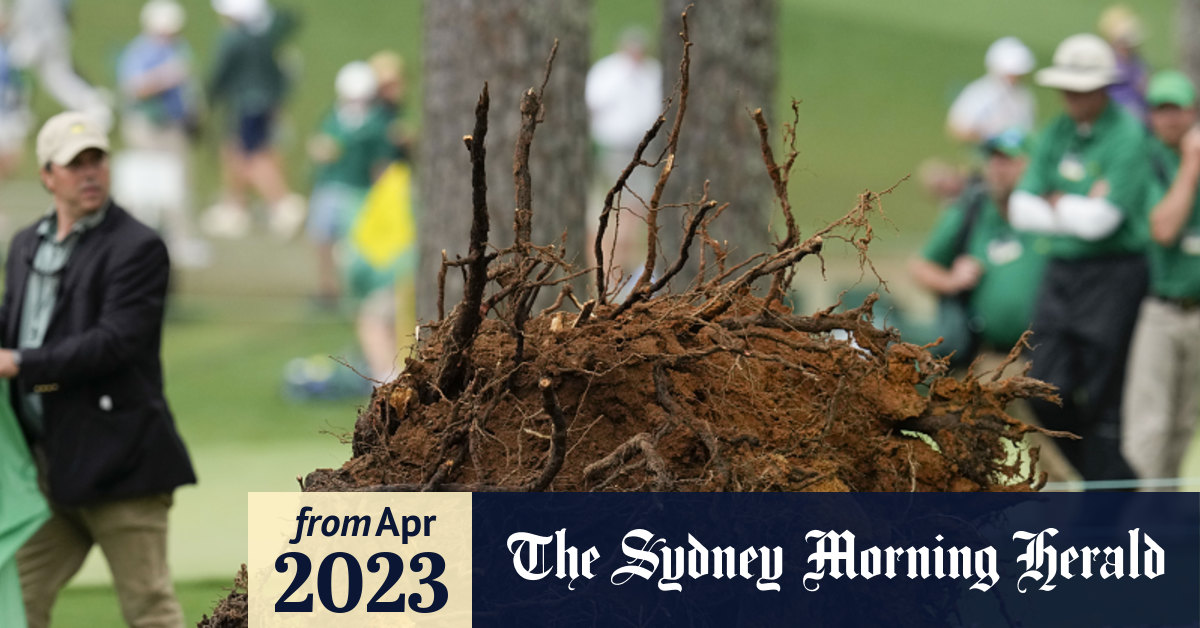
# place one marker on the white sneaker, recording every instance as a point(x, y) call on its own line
point(226, 220)
point(287, 216)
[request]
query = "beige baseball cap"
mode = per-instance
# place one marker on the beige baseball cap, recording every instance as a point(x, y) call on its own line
point(66, 135)
point(1082, 63)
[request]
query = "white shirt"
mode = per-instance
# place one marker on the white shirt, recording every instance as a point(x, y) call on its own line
point(624, 98)
point(989, 105)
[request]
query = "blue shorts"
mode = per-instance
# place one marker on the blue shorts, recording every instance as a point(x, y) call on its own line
point(331, 209)
point(254, 131)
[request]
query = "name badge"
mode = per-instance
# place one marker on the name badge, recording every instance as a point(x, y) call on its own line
point(1001, 252)
point(1071, 168)
point(1190, 243)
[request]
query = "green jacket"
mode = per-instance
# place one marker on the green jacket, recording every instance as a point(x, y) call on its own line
point(1012, 263)
point(1175, 269)
point(1069, 160)
point(246, 75)
point(22, 509)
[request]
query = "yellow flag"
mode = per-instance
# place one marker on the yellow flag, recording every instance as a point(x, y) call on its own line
point(385, 228)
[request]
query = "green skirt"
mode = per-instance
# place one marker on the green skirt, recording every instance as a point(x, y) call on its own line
point(22, 509)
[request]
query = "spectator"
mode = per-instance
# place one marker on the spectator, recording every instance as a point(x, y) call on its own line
point(1085, 187)
point(389, 72)
point(390, 96)
point(624, 98)
point(975, 257)
point(81, 318)
point(351, 149)
point(1120, 26)
point(152, 177)
point(1162, 396)
point(249, 82)
point(15, 117)
point(998, 100)
point(986, 275)
point(41, 42)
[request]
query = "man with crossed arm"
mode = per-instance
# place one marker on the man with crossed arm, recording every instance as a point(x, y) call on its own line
point(1085, 189)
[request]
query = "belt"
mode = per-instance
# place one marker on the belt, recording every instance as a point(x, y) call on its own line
point(1186, 304)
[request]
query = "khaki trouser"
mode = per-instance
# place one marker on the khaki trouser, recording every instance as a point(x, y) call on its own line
point(1162, 389)
point(132, 534)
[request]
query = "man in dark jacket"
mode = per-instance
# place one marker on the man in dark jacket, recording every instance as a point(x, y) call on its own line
point(81, 323)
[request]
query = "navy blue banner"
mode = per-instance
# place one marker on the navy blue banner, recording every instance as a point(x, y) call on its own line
point(737, 559)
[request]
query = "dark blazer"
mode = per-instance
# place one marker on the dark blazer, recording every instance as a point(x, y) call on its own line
point(108, 431)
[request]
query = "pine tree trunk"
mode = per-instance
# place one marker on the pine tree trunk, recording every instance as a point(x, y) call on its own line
point(733, 71)
point(1189, 43)
point(505, 43)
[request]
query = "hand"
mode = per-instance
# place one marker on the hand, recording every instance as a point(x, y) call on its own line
point(1189, 146)
point(1100, 189)
point(323, 149)
point(8, 364)
point(965, 273)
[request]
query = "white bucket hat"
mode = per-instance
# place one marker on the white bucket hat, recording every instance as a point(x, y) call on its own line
point(1008, 56)
point(1082, 63)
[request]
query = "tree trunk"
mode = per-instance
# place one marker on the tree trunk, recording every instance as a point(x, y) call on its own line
point(1189, 44)
point(733, 71)
point(505, 43)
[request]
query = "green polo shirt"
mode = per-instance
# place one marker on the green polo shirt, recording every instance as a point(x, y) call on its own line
point(363, 150)
point(1012, 269)
point(41, 290)
point(1175, 269)
point(246, 73)
point(1070, 158)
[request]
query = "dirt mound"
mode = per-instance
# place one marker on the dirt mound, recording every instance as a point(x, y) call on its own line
point(233, 610)
point(760, 399)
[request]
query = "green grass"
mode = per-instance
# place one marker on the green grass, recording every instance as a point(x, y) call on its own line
point(876, 78)
point(96, 607)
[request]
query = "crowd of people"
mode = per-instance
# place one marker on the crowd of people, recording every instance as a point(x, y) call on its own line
point(89, 451)
point(1085, 232)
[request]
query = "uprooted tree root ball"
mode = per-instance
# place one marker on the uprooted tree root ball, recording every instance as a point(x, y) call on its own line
point(661, 400)
point(715, 388)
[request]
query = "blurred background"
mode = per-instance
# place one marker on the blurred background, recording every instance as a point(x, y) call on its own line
point(247, 330)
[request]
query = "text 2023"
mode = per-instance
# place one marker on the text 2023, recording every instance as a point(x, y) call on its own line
point(392, 563)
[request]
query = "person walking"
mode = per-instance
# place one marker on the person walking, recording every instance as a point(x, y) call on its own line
point(1085, 187)
point(249, 83)
point(624, 97)
point(152, 176)
point(1162, 388)
point(81, 322)
point(349, 151)
point(41, 43)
